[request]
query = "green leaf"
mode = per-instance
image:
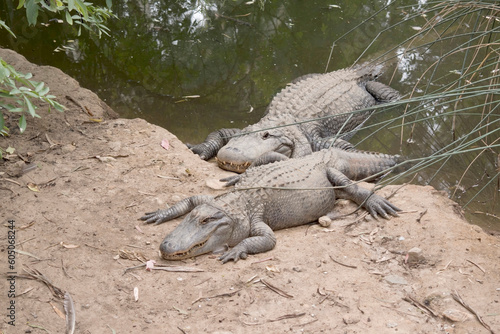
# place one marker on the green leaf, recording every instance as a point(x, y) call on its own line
point(44, 91)
point(109, 3)
point(6, 27)
point(58, 106)
point(82, 8)
point(39, 87)
point(15, 91)
point(71, 5)
point(31, 107)
point(68, 18)
point(28, 76)
point(2, 121)
point(21, 3)
point(22, 123)
point(31, 12)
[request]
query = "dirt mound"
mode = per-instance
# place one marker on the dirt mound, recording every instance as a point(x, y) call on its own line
point(75, 219)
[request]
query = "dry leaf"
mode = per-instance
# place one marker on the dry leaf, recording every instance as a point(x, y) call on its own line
point(165, 144)
point(105, 159)
point(33, 187)
point(69, 246)
point(58, 311)
point(96, 120)
point(136, 293)
point(273, 268)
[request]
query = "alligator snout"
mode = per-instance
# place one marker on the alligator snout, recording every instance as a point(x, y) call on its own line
point(233, 159)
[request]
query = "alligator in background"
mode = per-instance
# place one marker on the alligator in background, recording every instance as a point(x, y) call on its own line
point(331, 98)
point(271, 197)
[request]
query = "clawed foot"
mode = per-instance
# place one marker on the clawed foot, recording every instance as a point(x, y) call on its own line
point(154, 218)
point(233, 254)
point(377, 205)
point(199, 149)
point(231, 180)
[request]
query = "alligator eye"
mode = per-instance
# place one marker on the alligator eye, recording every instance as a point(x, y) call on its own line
point(206, 220)
point(265, 135)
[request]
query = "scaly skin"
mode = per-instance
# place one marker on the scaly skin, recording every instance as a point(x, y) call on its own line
point(332, 98)
point(271, 197)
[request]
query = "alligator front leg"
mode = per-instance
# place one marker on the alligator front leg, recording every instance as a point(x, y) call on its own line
point(373, 203)
point(176, 210)
point(214, 142)
point(262, 239)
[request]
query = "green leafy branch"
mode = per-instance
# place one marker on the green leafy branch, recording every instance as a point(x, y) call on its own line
point(17, 91)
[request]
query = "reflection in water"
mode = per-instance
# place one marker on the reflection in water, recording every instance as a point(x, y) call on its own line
point(235, 57)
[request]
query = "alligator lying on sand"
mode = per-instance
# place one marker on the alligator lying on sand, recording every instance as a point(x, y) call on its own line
point(314, 96)
point(272, 197)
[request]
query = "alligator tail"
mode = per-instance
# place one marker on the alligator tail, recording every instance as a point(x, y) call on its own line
point(368, 166)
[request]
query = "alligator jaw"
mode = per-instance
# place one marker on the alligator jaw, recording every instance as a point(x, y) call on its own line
point(233, 167)
point(240, 152)
point(204, 230)
point(181, 255)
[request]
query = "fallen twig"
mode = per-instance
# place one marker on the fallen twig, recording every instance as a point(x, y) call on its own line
point(477, 265)
point(134, 267)
point(421, 306)
point(39, 327)
point(275, 289)
point(11, 181)
point(342, 264)
point(421, 215)
point(263, 260)
point(459, 299)
point(288, 316)
point(229, 294)
point(27, 254)
point(183, 269)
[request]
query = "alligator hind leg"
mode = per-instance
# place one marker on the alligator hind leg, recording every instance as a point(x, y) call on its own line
point(373, 203)
point(176, 210)
point(382, 93)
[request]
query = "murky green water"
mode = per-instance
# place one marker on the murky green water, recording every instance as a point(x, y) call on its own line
point(197, 66)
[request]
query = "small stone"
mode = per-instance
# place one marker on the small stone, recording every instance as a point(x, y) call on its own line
point(415, 256)
point(68, 148)
point(456, 315)
point(325, 221)
point(350, 319)
point(392, 324)
point(394, 279)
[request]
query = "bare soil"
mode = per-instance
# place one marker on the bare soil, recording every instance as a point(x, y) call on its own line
point(77, 212)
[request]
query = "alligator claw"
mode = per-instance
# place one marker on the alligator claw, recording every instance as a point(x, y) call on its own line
point(154, 218)
point(231, 180)
point(233, 254)
point(377, 205)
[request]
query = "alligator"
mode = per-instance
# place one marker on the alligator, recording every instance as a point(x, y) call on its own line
point(270, 197)
point(302, 118)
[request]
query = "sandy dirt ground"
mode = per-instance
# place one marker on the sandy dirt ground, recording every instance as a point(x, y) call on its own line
point(75, 222)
